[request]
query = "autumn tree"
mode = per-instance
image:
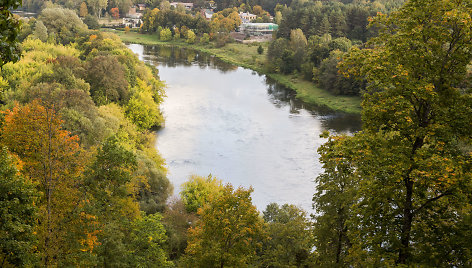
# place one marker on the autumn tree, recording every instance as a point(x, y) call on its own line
point(51, 159)
point(197, 191)
point(110, 200)
point(165, 35)
point(83, 11)
point(17, 215)
point(227, 232)
point(190, 37)
point(411, 171)
point(115, 13)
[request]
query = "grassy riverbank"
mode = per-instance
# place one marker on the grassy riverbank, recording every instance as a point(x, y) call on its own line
point(246, 55)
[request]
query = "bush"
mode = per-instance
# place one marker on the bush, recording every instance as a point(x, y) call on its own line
point(91, 22)
point(165, 35)
point(205, 39)
point(190, 37)
point(260, 50)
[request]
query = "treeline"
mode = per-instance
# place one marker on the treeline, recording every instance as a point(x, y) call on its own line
point(170, 24)
point(313, 36)
point(81, 182)
point(96, 8)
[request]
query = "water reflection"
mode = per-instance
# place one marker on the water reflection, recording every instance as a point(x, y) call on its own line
point(239, 126)
point(174, 56)
point(278, 94)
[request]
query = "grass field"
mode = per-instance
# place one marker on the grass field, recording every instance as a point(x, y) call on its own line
point(246, 55)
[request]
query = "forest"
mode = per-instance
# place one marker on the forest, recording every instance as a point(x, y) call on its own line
point(82, 184)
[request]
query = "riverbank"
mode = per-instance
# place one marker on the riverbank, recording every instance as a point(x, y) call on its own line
point(245, 55)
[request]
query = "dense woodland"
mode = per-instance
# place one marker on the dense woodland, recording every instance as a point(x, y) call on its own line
point(82, 185)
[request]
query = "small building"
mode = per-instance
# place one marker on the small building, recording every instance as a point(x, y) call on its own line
point(141, 7)
point(132, 22)
point(247, 17)
point(188, 6)
point(207, 13)
point(253, 29)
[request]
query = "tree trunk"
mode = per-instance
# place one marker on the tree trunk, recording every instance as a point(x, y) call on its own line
point(404, 253)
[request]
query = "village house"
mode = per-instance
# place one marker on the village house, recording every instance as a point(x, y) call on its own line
point(207, 13)
point(247, 17)
point(188, 6)
point(132, 22)
point(141, 7)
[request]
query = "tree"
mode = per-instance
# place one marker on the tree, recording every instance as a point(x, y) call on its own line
point(17, 215)
point(97, 6)
point(115, 13)
point(141, 108)
point(111, 202)
point(205, 39)
point(289, 239)
point(51, 159)
point(91, 22)
point(260, 50)
point(190, 37)
point(298, 44)
point(146, 245)
point(165, 35)
point(198, 190)
point(227, 232)
point(177, 221)
point(40, 31)
point(63, 23)
point(411, 171)
point(106, 77)
point(10, 27)
point(83, 11)
point(334, 197)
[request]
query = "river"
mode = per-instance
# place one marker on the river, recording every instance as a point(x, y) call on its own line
point(239, 126)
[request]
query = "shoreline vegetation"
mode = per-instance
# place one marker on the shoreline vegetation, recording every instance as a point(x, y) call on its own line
point(246, 56)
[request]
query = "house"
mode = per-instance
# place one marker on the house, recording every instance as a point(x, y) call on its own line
point(188, 6)
point(207, 13)
point(247, 17)
point(132, 23)
point(141, 7)
point(254, 29)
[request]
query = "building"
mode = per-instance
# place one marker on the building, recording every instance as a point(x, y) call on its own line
point(141, 7)
point(247, 17)
point(188, 6)
point(132, 23)
point(258, 28)
point(207, 13)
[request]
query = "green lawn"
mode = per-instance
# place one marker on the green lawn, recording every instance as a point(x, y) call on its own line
point(246, 55)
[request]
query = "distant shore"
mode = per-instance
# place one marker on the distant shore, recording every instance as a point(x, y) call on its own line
point(245, 55)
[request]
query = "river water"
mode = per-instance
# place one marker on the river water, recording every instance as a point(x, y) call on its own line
point(239, 126)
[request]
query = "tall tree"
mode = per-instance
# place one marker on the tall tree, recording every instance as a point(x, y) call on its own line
point(289, 240)
point(408, 161)
point(51, 159)
point(17, 215)
point(228, 231)
point(83, 10)
point(40, 31)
